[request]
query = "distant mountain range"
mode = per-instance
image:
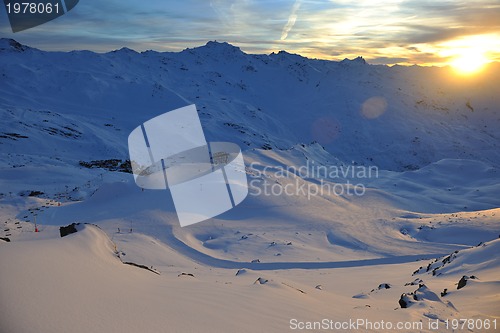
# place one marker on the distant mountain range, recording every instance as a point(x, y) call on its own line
point(82, 105)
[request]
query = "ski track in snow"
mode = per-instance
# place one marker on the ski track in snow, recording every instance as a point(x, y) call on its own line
point(202, 258)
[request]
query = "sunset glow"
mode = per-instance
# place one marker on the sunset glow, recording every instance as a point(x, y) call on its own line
point(464, 35)
point(469, 62)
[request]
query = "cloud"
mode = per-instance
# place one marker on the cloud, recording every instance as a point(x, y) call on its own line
point(388, 60)
point(291, 20)
point(386, 31)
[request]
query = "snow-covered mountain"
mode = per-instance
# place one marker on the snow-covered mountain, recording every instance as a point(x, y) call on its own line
point(398, 118)
point(430, 137)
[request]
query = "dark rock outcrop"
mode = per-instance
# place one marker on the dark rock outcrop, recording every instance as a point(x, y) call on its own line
point(69, 229)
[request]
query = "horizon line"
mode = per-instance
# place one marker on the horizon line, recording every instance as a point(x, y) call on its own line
point(367, 62)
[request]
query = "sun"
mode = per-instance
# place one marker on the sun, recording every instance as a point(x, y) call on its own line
point(469, 61)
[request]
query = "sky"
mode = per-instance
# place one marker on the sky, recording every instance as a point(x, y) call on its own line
point(407, 32)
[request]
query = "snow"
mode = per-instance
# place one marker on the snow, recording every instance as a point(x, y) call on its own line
point(434, 193)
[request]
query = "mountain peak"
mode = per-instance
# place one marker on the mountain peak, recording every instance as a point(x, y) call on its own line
point(221, 45)
point(7, 44)
point(215, 49)
point(125, 50)
point(356, 61)
point(287, 55)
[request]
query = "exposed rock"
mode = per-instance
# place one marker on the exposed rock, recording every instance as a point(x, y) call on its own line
point(69, 229)
point(110, 165)
point(404, 301)
point(382, 286)
point(414, 282)
point(261, 281)
point(462, 282)
point(141, 266)
point(421, 294)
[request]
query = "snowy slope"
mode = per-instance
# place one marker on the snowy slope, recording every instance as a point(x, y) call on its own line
point(82, 286)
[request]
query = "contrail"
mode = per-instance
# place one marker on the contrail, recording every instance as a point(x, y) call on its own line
point(291, 20)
